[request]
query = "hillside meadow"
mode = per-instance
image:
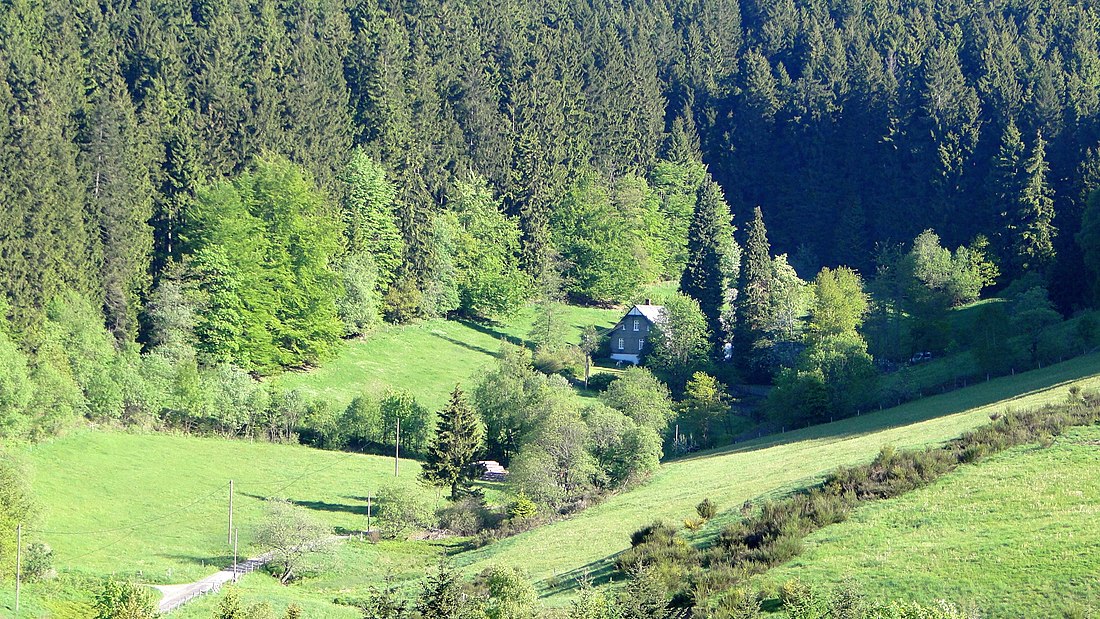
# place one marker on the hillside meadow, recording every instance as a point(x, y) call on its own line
point(429, 358)
point(555, 555)
point(1014, 536)
point(154, 507)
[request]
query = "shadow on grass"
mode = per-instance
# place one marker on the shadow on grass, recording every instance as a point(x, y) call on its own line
point(466, 345)
point(213, 563)
point(1003, 389)
point(493, 332)
point(325, 506)
point(596, 573)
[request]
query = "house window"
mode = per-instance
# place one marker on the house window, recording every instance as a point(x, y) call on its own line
point(636, 324)
point(641, 344)
point(622, 344)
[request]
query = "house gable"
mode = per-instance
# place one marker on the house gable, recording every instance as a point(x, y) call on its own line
point(628, 337)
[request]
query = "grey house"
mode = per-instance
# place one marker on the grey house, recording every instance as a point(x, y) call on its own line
point(628, 338)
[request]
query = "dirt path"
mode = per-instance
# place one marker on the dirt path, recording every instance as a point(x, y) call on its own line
point(178, 595)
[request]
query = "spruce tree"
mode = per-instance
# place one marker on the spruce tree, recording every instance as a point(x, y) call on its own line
point(756, 290)
point(369, 201)
point(450, 458)
point(1033, 225)
point(708, 273)
point(1005, 183)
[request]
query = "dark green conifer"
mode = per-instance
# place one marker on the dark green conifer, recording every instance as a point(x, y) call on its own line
point(449, 462)
point(708, 276)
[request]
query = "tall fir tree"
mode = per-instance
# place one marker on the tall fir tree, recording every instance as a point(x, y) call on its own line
point(1032, 226)
point(755, 301)
point(369, 204)
point(116, 163)
point(1005, 184)
point(449, 462)
point(709, 273)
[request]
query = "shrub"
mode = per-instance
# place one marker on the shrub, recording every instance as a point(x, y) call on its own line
point(694, 524)
point(601, 381)
point(737, 604)
point(124, 599)
point(707, 509)
point(38, 563)
point(567, 360)
point(523, 507)
point(660, 547)
point(400, 511)
point(467, 516)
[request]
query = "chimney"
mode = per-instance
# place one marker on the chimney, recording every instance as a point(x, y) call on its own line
point(648, 302)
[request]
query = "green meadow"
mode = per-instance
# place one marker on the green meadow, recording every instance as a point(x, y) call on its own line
point(154, 507)
point(427, 359)
point(1015, 535)
point(555, 555)
point(165, 518)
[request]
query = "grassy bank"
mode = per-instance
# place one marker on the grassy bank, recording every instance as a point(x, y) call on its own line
point(556, 554)
point(1015, 536)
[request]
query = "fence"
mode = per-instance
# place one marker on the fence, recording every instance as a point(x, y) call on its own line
point(213, 584)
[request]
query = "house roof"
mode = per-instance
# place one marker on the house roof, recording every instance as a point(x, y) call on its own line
point(653, 313)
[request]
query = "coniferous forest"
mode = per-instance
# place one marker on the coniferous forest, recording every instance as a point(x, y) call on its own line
point(230, 187)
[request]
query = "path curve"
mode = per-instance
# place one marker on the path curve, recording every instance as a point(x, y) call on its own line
point(178, 595)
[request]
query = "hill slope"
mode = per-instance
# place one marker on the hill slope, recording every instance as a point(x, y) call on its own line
point(555, 554)
point(428, 358)
point(155, 507)
point(174, 488)
point(1016, 536)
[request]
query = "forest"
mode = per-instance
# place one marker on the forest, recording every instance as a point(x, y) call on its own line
point(205, 192)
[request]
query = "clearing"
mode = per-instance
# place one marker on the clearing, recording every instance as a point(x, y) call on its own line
point(427, 359)
point(154, 507)
point(160, 500)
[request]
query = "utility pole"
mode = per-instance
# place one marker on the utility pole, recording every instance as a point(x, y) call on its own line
point(397, 451)
point(234, 555)
point(18, 564)
point(229, 532)
point(368, 512)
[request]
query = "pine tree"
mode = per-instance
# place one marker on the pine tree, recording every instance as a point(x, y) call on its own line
point(369, 201)
point(709, 271)
point(756, 290)
point(442, 596)
point(1032, 227)
point(1005, 183)
point(120, 199)
point(449, 462)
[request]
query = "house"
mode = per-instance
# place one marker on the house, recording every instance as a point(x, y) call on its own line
point(628, 338)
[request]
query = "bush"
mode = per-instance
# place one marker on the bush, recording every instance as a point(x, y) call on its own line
point(467, 516)
point(660, 547)
point(567, 360)
point(38, 563)
point(523, 507)
point(400, 511)
point(124, 599)
point(600, 381)
point(707, 509)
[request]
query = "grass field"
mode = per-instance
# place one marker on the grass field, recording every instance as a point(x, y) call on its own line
point(154, 507)
point(586, 544)
point(1015, 536)
point(426, 359)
